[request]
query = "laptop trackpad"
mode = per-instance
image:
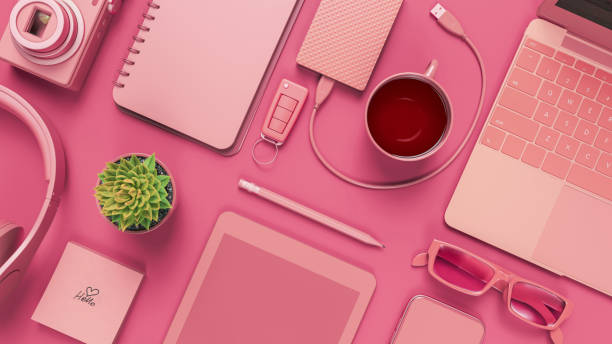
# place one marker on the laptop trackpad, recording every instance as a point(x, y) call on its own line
point(577, 239)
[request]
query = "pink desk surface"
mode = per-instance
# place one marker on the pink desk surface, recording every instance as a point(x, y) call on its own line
point(94, 131)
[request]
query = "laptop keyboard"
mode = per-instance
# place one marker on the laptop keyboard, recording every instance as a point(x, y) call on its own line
point(555, 113)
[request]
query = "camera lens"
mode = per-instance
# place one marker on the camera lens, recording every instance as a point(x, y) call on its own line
point(46, 32)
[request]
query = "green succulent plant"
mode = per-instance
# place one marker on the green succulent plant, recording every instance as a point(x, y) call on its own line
point(131, 193)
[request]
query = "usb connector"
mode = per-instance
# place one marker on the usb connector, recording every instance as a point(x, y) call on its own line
point(438, 11)
point(447, 20)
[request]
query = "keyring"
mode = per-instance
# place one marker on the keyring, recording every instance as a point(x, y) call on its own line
point(262, 139)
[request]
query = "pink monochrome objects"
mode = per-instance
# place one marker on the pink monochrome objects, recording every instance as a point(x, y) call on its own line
point(56, 40)
point(88, 296)
point(348, 30)
point(429, 321)
point(15, 256)
point(539, 184)
point(86, 119)
point(255, 285)
point(472, 275)
point(284, 111)
point(199, 68)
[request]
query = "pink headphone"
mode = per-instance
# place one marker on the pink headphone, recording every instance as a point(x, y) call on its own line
point(14, 258)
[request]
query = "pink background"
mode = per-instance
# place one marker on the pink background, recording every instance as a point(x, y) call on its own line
point(95, 131)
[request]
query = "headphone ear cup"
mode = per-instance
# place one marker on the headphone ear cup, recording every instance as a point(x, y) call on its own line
point(9, 236)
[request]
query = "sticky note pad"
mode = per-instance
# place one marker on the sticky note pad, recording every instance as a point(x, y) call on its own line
point(88, 296)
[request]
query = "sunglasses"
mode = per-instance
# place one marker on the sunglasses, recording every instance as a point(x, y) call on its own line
point(465, 272)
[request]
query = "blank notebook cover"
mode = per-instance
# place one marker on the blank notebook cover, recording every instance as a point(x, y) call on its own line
point(196, 66)
point(254, 285)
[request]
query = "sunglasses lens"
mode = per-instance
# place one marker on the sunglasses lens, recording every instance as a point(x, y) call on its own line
point(461, 269)
point(535, 304)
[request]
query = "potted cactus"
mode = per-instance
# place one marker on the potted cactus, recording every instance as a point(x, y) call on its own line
point(136, 193)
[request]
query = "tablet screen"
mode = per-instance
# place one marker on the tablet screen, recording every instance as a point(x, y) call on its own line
point(252, 296)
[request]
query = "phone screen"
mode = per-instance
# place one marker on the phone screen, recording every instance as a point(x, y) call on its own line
point(428, 321)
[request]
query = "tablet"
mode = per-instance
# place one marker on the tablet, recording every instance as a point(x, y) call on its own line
point(255, 285)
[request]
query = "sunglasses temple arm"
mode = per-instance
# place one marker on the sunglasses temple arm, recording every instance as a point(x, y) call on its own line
point(420, 260)
point(557, 336)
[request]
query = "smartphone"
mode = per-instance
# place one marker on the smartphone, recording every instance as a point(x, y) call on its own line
point(429, 321)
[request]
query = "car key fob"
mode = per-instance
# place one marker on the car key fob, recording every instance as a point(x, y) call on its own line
point(284, 110)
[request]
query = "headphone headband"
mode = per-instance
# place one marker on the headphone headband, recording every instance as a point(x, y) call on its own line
point(53, 155)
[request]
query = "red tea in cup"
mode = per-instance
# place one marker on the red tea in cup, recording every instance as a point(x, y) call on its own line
point(407, 116)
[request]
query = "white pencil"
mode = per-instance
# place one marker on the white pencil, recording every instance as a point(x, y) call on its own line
point(309, 213)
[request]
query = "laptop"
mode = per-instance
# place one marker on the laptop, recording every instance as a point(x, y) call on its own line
point(538, 183)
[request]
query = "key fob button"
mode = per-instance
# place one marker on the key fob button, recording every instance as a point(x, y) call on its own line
point(287, 102)
point(282, 114)
point(278, 126)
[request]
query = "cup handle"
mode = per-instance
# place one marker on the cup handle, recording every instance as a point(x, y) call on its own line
point(431, 69)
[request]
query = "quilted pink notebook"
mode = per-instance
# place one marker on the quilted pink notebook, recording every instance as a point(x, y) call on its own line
point(199, 68)
point(346, 38)
point(254, 285)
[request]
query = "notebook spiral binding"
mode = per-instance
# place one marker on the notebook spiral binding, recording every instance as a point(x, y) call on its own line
point(136, 38)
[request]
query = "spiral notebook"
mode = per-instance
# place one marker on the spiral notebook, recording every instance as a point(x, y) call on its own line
point(199, 68)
